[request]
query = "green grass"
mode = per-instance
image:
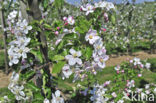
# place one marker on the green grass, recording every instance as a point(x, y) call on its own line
point(108, 74)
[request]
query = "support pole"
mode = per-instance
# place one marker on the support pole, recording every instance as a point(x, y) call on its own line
point(4, 39)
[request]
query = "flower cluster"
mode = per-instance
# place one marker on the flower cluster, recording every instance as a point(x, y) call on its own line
point(16, 89)
point(18, 47)
point(69, 20)
point(88, 8)
point(55, 98)
point(98, 93)
point(12, 16)
point(73, 61)
point(99, 53)
point(137, 64)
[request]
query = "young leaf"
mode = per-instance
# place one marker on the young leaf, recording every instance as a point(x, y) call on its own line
point(58, 57)
point(37, 54)
point(58, 66)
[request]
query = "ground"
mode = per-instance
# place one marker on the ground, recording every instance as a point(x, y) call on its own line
point(114, 60)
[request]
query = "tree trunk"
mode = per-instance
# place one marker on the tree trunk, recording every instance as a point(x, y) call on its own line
point(4, 39)
point(23, 7)
point(36, 14)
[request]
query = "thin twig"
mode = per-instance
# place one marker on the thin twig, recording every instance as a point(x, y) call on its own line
point(42, 66)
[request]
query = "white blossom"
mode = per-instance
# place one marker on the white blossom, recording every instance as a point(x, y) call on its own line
point(70, 20)
point(88, 8)
point(74, 57)
point(120, 101)
point(24, 27)
point(56, 97)
point(148, 65)
point(46, 101)
point(92, 36)
point(12, 16)
point(136, 61)
point(66, 71)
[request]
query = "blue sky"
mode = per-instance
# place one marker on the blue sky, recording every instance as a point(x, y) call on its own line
point(117, 1)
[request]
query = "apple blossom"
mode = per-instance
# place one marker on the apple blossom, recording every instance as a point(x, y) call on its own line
point(88, 8)
point(66, 71)
point(100, 60)
point(148, 65)
point(56, 97)
point(12, 16)
point(114, 94)
point(24, 27)
point(14, 78)
point(136, 61)
point(110, 5)
point(147, 86)
point(70, 20)
point(74, 57)
point(92, 36)
point(46, 101)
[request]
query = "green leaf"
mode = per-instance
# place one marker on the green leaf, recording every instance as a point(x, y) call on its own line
point(88, 53)
point(32, 86)
point(58, 3)
point(113, 19)
point(82, 25)
point(71, 36)
point(47, 26)
point(45, 3)
point(58, 57)
point(37, 54)
point(58, 66)
point(61, 44)
point(38, 98)
point(27, 75)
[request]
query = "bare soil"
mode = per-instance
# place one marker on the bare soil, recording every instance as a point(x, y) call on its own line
point(114, 60)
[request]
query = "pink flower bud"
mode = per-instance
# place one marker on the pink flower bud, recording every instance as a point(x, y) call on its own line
point(66, 23)
point(118, 71)
point(139, 75)
point(56, 32)
point(127, 94)
point(81, 9)
point(127, 85)
point(58, 28)
point(122, 71)
point(103, 29)
point(141, 65)
point(105, 15)
point(126, 89)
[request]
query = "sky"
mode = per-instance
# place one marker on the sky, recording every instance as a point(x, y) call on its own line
point(117, 1)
